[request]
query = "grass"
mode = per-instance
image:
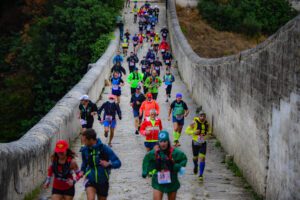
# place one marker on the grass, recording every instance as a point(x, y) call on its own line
point(34, 194)
point(218, 144)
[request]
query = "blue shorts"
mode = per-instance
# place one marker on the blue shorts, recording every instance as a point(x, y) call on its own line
point(135, 113)
point(179, 122)
point(116, 92)
point(111, 124)
point(150, 145)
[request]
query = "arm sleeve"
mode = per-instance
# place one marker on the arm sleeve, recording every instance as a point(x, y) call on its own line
point(160, 125)
point(142, 108)
point(100, 111)
point(180, 160)
point(185, 106)
point(129, 78)
point(123, 70)
point(146, 162)
point(118, 110)
point(142, 128)
point(113, 158)
point(189, 130)
point(157, 108)
point(50, 171)
point(84, 163)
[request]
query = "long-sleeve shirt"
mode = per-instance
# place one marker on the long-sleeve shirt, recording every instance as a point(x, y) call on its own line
point(147, 106)
point(110, 109)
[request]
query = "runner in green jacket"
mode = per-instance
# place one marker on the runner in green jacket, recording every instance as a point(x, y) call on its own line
point(134, 79)
point(163, 164)
point(153, 83)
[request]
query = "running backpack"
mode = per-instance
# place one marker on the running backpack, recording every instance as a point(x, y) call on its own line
point(63, 174)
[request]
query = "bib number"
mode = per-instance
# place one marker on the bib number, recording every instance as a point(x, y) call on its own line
point(83, 122)
point(108, 118)
point(201, 139)
point(115, 87)
point(179, 117)
point(131, 63)
point(157, 68)
point(167, 61)
point(164, 177)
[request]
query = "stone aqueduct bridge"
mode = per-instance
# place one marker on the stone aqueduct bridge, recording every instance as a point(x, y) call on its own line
point(253, 99)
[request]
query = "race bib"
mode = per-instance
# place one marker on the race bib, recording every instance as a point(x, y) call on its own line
point(153, 128)
point(108, 118)
point(164, 177)
point(167, 61)
point(115, 87)
point(135, 42)
point(157, 68)
point(131, 63)
point(162, 50)
point(150, 60)
point(201, 139)
point(83, 122)
point(179, 117)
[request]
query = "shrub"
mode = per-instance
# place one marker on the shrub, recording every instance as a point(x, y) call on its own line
point(251, 17)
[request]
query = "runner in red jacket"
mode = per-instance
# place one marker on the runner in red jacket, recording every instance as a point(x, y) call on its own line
point(150, 128)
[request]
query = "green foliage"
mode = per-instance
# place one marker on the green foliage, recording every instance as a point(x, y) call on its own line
point(55, 55)
point(34, 194)
point(251, 17)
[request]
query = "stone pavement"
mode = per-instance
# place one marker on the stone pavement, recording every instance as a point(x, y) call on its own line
point(126, 183)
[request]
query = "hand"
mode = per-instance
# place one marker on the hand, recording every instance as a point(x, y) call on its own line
point(197, 132)
point(138, 103)
point(104, 163)
point(46, 185)
point(93, 113)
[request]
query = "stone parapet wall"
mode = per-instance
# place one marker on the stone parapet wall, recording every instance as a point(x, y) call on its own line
point(24, 163)
point(246, 95)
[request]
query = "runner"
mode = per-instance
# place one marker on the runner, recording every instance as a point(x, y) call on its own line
point(118, 68)
point(156, 42)
point(163, 164)
point(144, 64)
point(164, 33)
point(156, 12)
point(116, 83)
point(153, 83)
point(163, 47)
point(111, 108)
point(97, 162)
point(167, 57)
point(118, 58)
point(148, 105)
point(63, 166)
point(127, 35)
point(150, 129)
point(200, 131)
point(135, 11)
point(87, 112)
point(136, 101)
point(135, 42)
point(125, 46)
point(179, 111)
point(135, 79)
point(168, 80)
point(132, 60)
point(157, 66)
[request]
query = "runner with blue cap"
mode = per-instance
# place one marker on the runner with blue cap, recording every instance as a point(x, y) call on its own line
point(179, 111)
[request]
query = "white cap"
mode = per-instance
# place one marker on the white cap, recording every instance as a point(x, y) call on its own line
point(84, 97)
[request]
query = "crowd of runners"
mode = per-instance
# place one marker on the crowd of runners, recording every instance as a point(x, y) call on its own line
point(163, 159)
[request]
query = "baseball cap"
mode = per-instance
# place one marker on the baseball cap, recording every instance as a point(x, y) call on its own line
point(178, 95)
point(163, 136)
point(111, 96)
point(61, 146)
point(138, 88)
point(84, 97)
point(136, 68)
point(149, 95)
